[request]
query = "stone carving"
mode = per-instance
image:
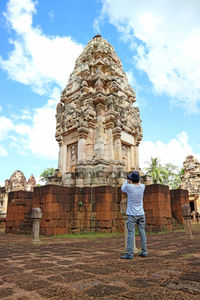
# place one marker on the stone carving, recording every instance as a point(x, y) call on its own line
point(96, 111)
point(191, 180)
point(73, 154)
point(17, 182)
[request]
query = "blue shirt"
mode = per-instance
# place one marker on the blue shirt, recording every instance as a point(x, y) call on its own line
point(134, 198)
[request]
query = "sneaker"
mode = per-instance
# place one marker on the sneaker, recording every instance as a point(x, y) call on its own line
point(127, 256)
point(143, 254)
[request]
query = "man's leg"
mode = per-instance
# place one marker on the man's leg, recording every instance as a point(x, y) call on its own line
point(131, 235)
point(141, 229)
point(130, 239)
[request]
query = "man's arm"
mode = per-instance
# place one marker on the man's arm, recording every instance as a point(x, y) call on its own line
point(123, 188)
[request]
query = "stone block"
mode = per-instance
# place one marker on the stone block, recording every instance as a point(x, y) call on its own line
point(104, 215)
point(46, 231)
point(51, 207)
point(59, 231)
point(53, 215)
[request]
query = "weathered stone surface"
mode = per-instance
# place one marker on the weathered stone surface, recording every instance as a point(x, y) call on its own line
point(98, 128)
point(191, 180)
point(178, 198)
point(16, 182)
point(73, 210)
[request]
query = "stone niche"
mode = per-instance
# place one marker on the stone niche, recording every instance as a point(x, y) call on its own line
point(98, 127)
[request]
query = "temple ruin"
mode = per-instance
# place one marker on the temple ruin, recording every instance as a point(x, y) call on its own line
point(98, 130)
point(16, 182)
point(98, 127)
point(191, 181)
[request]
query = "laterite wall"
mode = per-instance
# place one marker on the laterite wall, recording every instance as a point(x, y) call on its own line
point(157, 207)
point(18, 218)
point(62, 212)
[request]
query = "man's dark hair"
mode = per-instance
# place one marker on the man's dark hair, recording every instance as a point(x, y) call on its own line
point(135, 181)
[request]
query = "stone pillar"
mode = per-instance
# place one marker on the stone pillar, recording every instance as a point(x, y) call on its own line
point(136, 157)
point(186, 211)
point(110, 154)
point(36, 216)
point(117, 143)
point(83, 133)
point(99, 134)
point(132, 161)
point(62, 163)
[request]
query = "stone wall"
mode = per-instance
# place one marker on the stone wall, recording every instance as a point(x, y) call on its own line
point(66, 210)
point(18, 219)
point(78, 210)
point(157, 207)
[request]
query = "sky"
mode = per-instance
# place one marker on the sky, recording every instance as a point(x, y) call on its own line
point(158, 43)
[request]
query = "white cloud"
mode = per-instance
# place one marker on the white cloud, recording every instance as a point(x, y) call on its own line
point(39, 137)
point(25, 114)
point(166, 37)
point(175, 151)
point(2, 183)
point(6, 125)
point(42, 138)
point(23, 129)
point(37, 60)
point(3, 151)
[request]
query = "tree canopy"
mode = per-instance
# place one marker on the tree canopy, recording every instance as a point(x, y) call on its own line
point(44, 176)
point(167, 174)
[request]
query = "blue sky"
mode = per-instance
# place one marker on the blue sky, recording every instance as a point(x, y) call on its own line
point(158, 43)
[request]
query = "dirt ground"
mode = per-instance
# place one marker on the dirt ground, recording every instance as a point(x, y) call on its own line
point(92, 268)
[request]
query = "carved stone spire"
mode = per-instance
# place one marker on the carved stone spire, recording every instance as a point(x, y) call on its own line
point(98, 98)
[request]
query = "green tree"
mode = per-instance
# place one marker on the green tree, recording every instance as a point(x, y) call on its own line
point(46, 174)
point(171, 176)
point(168, 174)
point(155, 170)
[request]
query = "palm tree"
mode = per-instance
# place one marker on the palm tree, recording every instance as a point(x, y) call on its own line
point(155, 170)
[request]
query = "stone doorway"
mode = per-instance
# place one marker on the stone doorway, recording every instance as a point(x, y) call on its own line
point(192, 207)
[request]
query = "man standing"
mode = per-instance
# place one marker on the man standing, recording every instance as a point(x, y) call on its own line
point(135, 213)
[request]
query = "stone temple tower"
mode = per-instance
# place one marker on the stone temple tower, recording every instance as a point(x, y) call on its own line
point(98, 127)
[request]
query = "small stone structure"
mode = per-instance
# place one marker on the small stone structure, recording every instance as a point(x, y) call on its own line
point(36, 216)
point(98, 127)
point(186, 212)
point(191, 181)
point(16, 182)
